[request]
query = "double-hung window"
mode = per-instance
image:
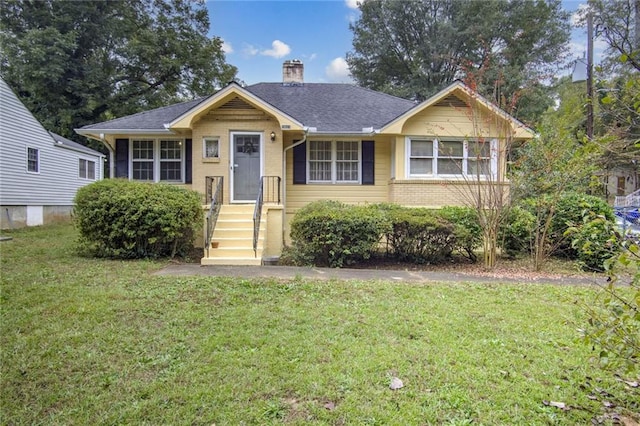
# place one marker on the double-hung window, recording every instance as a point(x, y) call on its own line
point(87, 169)
point(170, 160)
point(449, 158)
point(157, 160)
point(334, 161)
point(33, 160)
point(143, 159)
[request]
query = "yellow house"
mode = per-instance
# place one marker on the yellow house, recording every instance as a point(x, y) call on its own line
point(261, 152)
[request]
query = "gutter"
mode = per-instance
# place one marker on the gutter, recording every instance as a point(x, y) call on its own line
point(112, 157)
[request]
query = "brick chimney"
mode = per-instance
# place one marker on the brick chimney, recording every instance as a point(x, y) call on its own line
point(293, 72)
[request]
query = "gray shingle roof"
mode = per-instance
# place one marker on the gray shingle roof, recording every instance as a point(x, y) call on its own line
point(332, 107)
point(73, 145)
point(327, 107)
point(154, 119)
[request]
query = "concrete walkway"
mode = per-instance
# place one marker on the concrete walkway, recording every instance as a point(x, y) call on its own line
point(293, 272)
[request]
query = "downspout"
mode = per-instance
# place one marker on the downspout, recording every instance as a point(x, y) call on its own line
point(112, 166)
point(284, 179)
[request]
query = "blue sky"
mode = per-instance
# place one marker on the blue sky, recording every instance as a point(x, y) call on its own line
point(260, 35)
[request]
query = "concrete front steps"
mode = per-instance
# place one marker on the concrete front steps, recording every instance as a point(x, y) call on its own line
point(233, 237)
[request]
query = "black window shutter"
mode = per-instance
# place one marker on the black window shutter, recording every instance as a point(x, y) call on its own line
point(300, 164)
point(368, 163)
point(122, 158)
point(188, 161)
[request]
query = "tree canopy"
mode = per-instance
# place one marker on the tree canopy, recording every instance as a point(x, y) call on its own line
point(414, 48)
point(78, 62)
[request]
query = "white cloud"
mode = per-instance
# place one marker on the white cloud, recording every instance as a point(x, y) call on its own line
point(578, 17)
point(338, 70)
point(249, 50)
point(226, 47)
point(352, 4)
point(278, 50)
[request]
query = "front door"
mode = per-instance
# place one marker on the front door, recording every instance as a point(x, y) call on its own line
point(246, 165)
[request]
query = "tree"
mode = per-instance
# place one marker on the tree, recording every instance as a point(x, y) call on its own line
point(617, 124)
point(414, 48)
point(558, 161)
point(74, 63)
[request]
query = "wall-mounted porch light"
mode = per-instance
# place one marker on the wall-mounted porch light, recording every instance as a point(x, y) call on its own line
point(273, 136)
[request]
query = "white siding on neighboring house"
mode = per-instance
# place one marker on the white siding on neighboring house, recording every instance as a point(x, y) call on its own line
point(57, 177)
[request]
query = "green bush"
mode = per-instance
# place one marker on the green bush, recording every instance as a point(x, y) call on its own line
point(570, 211)
point(467, 229)
point(122, 219)
point(593, 242)
point(330, 233)
point(516, 232)
point(420, 235)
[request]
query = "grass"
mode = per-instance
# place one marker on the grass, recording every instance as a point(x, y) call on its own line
point(88, 341)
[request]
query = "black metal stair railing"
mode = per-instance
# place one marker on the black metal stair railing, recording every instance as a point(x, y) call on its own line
point(214, 189)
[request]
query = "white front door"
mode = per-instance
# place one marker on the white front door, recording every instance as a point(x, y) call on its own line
point(246, 165)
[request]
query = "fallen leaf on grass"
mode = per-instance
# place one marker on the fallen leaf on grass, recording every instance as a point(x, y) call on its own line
point(396, 383)
point(560, 405)
point(330, 406)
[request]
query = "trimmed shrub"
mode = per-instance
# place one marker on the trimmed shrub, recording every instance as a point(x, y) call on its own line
point(420, 235)
point(330, 233)
point(122, 219)
point(467, 230)
point(516, 232)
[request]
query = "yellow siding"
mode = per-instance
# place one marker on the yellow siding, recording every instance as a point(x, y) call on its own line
point(300, 195)
point(454, 122)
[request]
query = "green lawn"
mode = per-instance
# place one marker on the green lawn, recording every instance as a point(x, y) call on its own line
point(88, 341)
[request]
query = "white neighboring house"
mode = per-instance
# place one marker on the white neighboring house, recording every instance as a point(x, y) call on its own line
point(40, 171)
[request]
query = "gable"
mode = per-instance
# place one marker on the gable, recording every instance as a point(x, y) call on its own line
point(233, 100)
point(458, 111)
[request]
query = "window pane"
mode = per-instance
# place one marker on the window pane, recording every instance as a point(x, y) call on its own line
point(143, 150)
point(481, 166)
point(91, 171)
point(449, 166)
point(247, 144)
point(143, 170)
point(347, 157)
point(32, 160)
point(320, 171)
point(421, 148)
point(320, 151)
point(170, 170)
point(479, 149)
point(450, 149)
point(211, 148)
point(347, 171)
point(82, 168)
point(421, 166)
point(170, 150)
point(347, 151)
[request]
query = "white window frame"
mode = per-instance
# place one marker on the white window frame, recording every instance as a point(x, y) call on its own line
point(85, 170)
point(493, 159)
point(334, 161)
point(37, 160)
point(206, 139)
point(157, 160)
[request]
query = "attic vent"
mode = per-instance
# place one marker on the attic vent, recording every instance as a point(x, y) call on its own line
point(236, 103)
point(452, 101)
